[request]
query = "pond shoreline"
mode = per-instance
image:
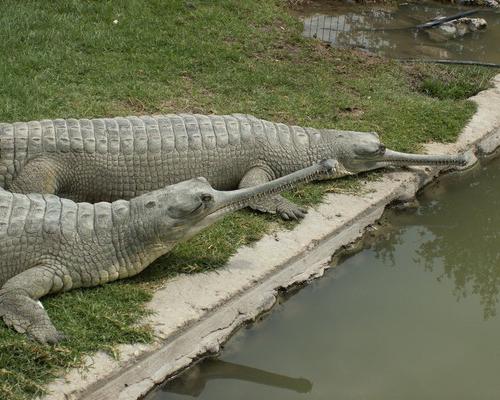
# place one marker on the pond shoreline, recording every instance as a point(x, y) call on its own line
point(188, 327)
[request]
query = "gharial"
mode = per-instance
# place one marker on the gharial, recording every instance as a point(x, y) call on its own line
point(120, 158)
point(49, 244)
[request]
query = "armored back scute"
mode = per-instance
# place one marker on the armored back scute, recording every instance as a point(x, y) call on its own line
point(7, 152)
point(21, 140)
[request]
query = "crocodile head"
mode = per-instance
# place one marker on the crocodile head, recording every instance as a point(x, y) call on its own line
point(359, 151)
point(179, 211)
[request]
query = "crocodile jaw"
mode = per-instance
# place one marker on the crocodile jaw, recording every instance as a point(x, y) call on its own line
point(395, 158)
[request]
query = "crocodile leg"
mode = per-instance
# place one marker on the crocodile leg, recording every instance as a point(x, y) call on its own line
point(273, 204)
point(39, 175)
point(19, 305)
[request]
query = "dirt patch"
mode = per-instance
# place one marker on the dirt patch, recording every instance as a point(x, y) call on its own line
point(452, 82)
point(352, 112)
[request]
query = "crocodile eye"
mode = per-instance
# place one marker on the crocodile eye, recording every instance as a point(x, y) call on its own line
point(150, 204)
point(206, 198)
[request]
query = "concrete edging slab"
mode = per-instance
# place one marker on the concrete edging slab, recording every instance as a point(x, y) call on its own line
point(195, 314)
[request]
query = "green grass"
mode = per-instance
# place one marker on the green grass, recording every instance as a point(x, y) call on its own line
point(68, 59)
point(92, 319)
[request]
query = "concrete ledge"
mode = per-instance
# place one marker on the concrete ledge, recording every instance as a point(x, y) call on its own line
point(195, 314)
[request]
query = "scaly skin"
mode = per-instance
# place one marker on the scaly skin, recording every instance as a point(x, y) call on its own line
point(120, 158)
point(49, 244)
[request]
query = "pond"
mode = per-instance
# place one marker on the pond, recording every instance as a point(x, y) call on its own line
point(389, 30)
point(411, 315)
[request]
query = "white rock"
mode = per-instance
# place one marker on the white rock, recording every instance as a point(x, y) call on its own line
point(462, 26)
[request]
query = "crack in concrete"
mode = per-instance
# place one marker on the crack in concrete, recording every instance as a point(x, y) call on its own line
point(222, 328)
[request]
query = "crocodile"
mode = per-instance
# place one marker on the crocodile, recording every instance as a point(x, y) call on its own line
point(49, 244)
point(119, 158)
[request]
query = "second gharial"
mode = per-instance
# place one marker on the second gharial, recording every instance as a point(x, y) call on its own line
point(50, 245)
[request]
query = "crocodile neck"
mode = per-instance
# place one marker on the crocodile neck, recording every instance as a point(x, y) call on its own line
point(323, 144)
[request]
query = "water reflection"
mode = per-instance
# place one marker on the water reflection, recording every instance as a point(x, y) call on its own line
point(458, 226)
point(385, 31)
point(194, 380)
point(348, 30)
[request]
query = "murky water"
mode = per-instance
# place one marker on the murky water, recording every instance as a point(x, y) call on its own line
point(412, 316)
point(382, 30)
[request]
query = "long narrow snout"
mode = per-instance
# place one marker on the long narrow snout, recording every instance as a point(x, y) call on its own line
point(236, 199)
point(396, 158)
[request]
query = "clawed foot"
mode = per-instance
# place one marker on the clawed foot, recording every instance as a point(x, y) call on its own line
point(281, 206)
point(46, 335)
point(288, 210)
point(28, 317)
